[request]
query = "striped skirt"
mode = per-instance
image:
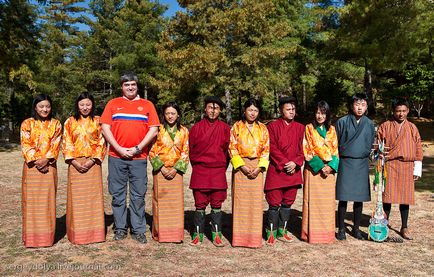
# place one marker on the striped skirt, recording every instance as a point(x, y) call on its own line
point(400, 184)
point(168, 208)
point(247, 208)
point(318, 223)
point(85, 205)
point(39, 206)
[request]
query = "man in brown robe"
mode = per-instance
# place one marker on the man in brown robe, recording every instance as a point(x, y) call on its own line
point(284, 172)
point(404, 162)
point(209, 157)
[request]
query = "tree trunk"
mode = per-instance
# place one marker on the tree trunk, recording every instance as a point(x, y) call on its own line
point(304, 97)
point(418, 108)
point(111, 70)
point(276, 105)
point(240, 106)
point(368, 89)
point(228, 107)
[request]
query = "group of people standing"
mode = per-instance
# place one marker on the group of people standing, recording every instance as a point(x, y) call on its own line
point(334, 162)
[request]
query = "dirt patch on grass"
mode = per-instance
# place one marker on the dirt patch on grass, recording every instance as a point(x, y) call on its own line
point(351, 257)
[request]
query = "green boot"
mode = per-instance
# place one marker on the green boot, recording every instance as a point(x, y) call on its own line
point(197, 238)
point(271, 236)
point(216, 219)
point(282, 232)
point(272, 221)
point(199, 225)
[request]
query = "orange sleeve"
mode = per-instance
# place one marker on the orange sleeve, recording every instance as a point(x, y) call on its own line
point(55, 140)
point(68, 148)
point(233, 144)
point(155, 149)
point(27, 144)
point(265, 154)
point(334, 142)
point(185, 148)
point(99, 149)
point(418, 140)
point(307, 143)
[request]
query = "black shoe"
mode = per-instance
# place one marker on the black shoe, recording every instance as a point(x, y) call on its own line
point(341, 235)
point(358, 235)
point(120, 235)
point(141, 238)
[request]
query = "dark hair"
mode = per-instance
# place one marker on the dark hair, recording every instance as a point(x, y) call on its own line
point(39, 98)
point(324, 107)
point(84, 95)
point(252, 101)
point(357, 97)
point(176, 107)
point(287, 100)
point(214, 100)
point(400, 102)
point(128, 77)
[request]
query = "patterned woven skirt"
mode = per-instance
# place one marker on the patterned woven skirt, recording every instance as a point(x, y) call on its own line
point(85, 205)
point(168, 209)
point(39, 206)
point(318, 223)
point(247, 208)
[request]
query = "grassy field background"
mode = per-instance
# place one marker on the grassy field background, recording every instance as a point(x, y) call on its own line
point(350, 257)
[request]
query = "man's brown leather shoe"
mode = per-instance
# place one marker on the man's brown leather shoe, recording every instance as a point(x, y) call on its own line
point(405, 233)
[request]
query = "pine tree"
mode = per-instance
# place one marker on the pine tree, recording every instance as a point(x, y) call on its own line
point(59, 76)
point(231, 48)
point(19, 34)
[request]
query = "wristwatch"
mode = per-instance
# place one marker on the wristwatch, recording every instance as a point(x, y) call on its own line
point(138, 151)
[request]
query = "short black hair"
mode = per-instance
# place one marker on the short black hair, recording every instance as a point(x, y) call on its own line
point(287, 100)
point(128, 76)
point(324, 107)
point(39, 98)
point(357, 97)
point(84, 95)
point(174, 105)
point(252, 101)
point(215, 100)
point(400, 102)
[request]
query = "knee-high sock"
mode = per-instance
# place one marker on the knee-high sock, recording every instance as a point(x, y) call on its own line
point(342, 210)
point(284, 214)
point(357, 210)
point(404, 209)
point(199, 221)
point(273, 217)
point(387, 207)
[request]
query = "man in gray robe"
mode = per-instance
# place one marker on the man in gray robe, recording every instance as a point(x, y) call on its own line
point(356, 134)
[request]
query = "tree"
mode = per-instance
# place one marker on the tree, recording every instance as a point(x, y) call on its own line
point(61, 44)
point(136, 32)
point(98, 52)
point(19, 35)
point(375, 35)
point(230, 48)
point(420, 85)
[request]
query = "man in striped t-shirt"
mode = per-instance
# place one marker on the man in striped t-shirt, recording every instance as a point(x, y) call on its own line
point(129, 124)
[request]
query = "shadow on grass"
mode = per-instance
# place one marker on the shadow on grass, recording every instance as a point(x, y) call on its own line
point(8, 147)
point(350, 216)
point(226, 225)
point(108, 221)
point(294, 226)
point(426, 183)
point(149, 221)
point(60, 228)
